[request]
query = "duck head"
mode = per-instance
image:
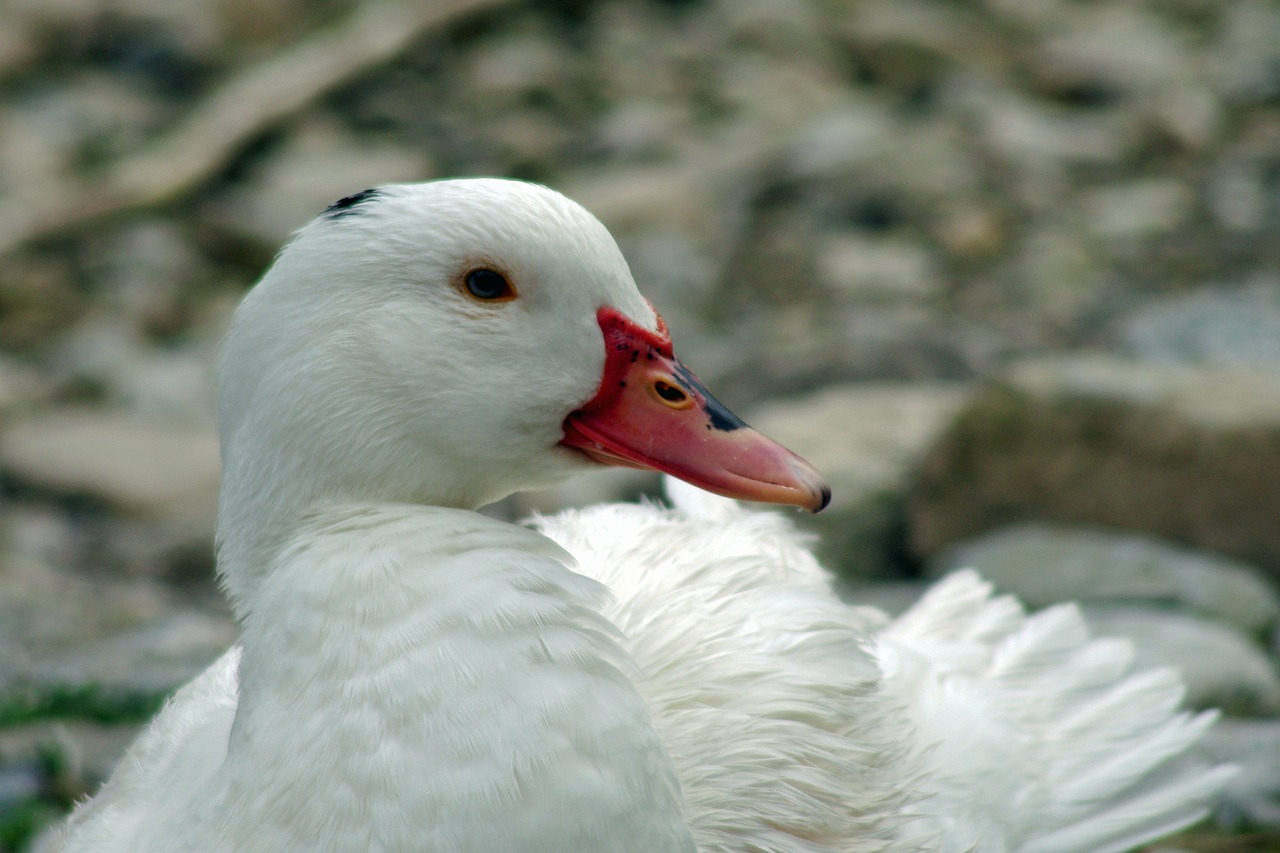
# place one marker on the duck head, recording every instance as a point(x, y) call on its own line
point(451, 342)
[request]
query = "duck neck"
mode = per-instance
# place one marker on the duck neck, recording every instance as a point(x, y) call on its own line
point(266, 499)
point(452, 670)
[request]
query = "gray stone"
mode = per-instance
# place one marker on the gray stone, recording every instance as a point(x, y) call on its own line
point(200, 28)
point(668, 193)
point(151, 659)
point(1035, 15)
point(1224, 327)
point(931, 163)
point(843, 138)
point(1192, 113)
point(878, 270)
point(509, 65)
point(864, 439)
point(778, 94)
point(645, 128)
point(129, 638)
point(1220, 668)
point(1142, 208)
point(320, 163)
point(1188, 454)
point(47, 610)
point(1046, 564)
point(1246, 53)
point(784, 26)
point(87, 751)
point(144, 269)
point(1063, 270)
point(136, 463)
point(1237, 193)
point(973, 234)
point(108, 350)
point(1035, 135)
point(909, 40)
point(21, 386)
point(1117, 45)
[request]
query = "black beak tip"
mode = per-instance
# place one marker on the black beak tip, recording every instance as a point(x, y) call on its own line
point(826, 499)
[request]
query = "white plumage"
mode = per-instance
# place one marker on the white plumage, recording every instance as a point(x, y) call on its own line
point(970, 724)
point(415, 676)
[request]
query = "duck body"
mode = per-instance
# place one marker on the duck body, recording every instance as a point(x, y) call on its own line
point(466, 690)
point(413, 675)
point(963, 724)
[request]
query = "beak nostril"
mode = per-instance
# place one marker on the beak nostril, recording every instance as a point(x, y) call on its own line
point(668, 392)
point(672, 395)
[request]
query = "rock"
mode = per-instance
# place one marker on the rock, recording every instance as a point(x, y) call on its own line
point(1192, 114)
point(634, 54)
point(842, 139)
point(878, 270)
point(1252, 798)
point(19, 781)
point(86, 751)
point(865, 439)
point(125, 640)
point(317, 165)
point(21, 386)
point(1139, 209)
point(776, 95)
point(785, 26)
point(931, 164)
point(645, 129)
point(135, 463)
point(1064, 271)
point(1046, 564)
point(31, 150)
point(38, 300)
point(1246, 55)
point(508, 67)
point(1220, 668)
point(151, 659)
point(1226, 327)
point(1036, 136)
point(1189, 454)
point(909, 43)
point(143, 271)
point(672, 193)
point(1237, 194)
point(1123, 47)
point(108, 351)
point(47, 610)
point(973, 234)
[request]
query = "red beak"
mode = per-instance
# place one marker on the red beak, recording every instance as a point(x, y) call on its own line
point(652, 412)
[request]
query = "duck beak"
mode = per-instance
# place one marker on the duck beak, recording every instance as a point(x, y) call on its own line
point(652, 412)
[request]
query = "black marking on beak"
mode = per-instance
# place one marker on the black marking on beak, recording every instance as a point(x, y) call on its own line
point(721, 418)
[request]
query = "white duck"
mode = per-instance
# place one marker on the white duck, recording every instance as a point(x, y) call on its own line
point(415, 676)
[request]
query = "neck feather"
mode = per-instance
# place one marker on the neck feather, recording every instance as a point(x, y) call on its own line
point(458, 656)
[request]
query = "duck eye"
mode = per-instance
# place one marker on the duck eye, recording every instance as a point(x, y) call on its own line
point(488, 285)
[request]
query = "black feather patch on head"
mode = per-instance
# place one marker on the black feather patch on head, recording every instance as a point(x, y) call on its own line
point(351, 205)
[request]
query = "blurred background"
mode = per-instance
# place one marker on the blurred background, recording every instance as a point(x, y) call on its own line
point(1008, 271)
